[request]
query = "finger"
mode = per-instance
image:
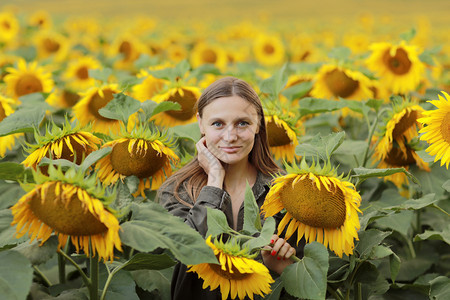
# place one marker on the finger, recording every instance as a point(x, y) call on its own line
point(273, 240)
point(291, 252)
point(284, 250)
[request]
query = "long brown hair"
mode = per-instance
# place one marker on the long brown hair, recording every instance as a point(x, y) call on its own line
point(192, 174)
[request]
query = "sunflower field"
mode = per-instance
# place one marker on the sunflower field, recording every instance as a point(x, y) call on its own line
point(97, 111)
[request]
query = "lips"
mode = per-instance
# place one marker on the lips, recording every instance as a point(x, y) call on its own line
point(233, 149)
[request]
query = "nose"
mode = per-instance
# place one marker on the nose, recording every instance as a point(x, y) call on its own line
point(230, 134)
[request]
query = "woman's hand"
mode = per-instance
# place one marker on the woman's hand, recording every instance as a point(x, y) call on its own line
point(211, 164)
point(276, 255)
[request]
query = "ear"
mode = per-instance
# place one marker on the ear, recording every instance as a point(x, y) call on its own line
point(200, 124)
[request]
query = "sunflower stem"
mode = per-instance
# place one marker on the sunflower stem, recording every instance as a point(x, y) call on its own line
point(42, 275)
point(369, 138)
point(435, 206)
point(358, 293)
point(86, 279)
point(94, 262)
point(108, 281)
point(61, 268)
point(334, 293)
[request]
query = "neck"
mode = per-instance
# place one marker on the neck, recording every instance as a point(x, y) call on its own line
point(239, 174)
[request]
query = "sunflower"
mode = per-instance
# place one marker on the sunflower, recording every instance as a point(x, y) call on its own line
point(269, 50)
point(27, 79)
point(52, 44)
point(150, 85)
point(126, 48)
point(437, 131)
point(40, 19)
point(398, 67)
point(320, 205)
point(204, 53)
point(238, 274)
point(176, 52)
point(77, 73)
point(8, 141)
point(9, 27)
point(69, 205)
point(142, 153)
point(186, 96)
point(394, 148)
point(69, 142)
point(86, 110)
point(333, 81)
point(282, 135)
point(62, 98)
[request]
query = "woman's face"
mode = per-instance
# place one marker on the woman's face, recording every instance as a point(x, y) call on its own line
point(229, 125)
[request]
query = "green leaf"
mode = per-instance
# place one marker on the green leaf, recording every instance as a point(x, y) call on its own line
point(22, 120)
point(264, 238)
point(310, 105)
point(120, 108)
point(297, 91)
point(122, 286)
point(15, 171)
point(394, 265)
point(165, 106)
point(93, 157)
point(35, 252)
point(153, 227)
point(217, 222)
point(380, 251)
point(189, 131)
point(8, 232)
point(400, 222)
point(252, 219)
point(425, 156)
point(375, 104)
point(308, 277)
point(427, 55)
point(100, 74)
point(63, 163)
point(16, 275)
point(147, 261)
point(204, 69)
point(434, 235)
point(446, 185)
point(275, 84)
point(276, 288)
point(10, 193)
point(322, 147)
point(151, 280)
point(408, 35)
point(364, 173)
point(340, 53)
point(440, 288)
point(368, 240)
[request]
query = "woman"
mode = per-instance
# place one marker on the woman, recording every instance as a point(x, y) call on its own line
point(233, 150)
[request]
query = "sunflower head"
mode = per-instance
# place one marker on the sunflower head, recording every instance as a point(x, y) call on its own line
point(71, 142)
point(143, 153)
point(237, 273)
point(69, 205)
point(319, 204)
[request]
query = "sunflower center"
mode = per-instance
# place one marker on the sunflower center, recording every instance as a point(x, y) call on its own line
point(98, 102)
point(408, 120)
point(445, 128)
point(83, 73)
point(28, 84)
point(236, 275)
point(277, 135)
point(209, 56)
point(322, 209)
point(70, 98)
point(2, 112)
point(396, 157)
point(66, 216)
point(51, 46)
point(340, 84)
point(399, 63)
point(125, 49)
point(187, 102)
point(269, 49)
point(6, 25)
point(140, 163)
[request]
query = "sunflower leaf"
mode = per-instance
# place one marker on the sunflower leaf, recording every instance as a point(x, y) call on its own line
point(204, 69)
point(408, 35)
point(151, 280)
point(340, 53)
point(100, 74)
point(297, 91)
point(36, 253)
point(152, 227)
point(308, 277)
point(364, 173)
point(121, 287)
point(146, 261)
point(322, 147)
point(152, 108)
point(22, 120)
point(8, 232)
point(120, 108)
point(15, 171)
point(434, 235)
point(16, 275)
point(189, 131)
point(264, 238)
point(368, 240)
point(252, 220)
point(310, 105)
point(217, 222)
point(276, 288)
point(63, 163)
point(440, 288)
point(275, 84)
point(93, 157)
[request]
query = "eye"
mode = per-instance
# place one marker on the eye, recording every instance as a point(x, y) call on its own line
point(243, 123)
point(216, 124)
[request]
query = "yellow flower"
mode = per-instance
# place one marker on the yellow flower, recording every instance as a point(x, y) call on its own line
point(269, 50)
point(282, 137)
point(8, 141)
point(126, 48)
point(9, 27)
point(204, 53)
point(150, 86)
point(70, 143)
point(393, 149)
point(86, 110)
point(69, 205)
point(333, 81)
point(51, 44)
point(238, 274)
point(186, 96)
point(76, 74)
point(437, 131)
point(40, 19)
point(176, 52)
point(27, 79)
point(320, 205)
point(398, 67)
point(141, 153)
point(62, 98)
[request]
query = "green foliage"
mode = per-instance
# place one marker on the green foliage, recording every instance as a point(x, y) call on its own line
point(16, 275)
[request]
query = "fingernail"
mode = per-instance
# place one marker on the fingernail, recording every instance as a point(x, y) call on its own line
point(271, 241)
point(278, 258)
point(273, 253)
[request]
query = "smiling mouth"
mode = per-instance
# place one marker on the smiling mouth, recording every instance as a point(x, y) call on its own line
point(230, 149)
